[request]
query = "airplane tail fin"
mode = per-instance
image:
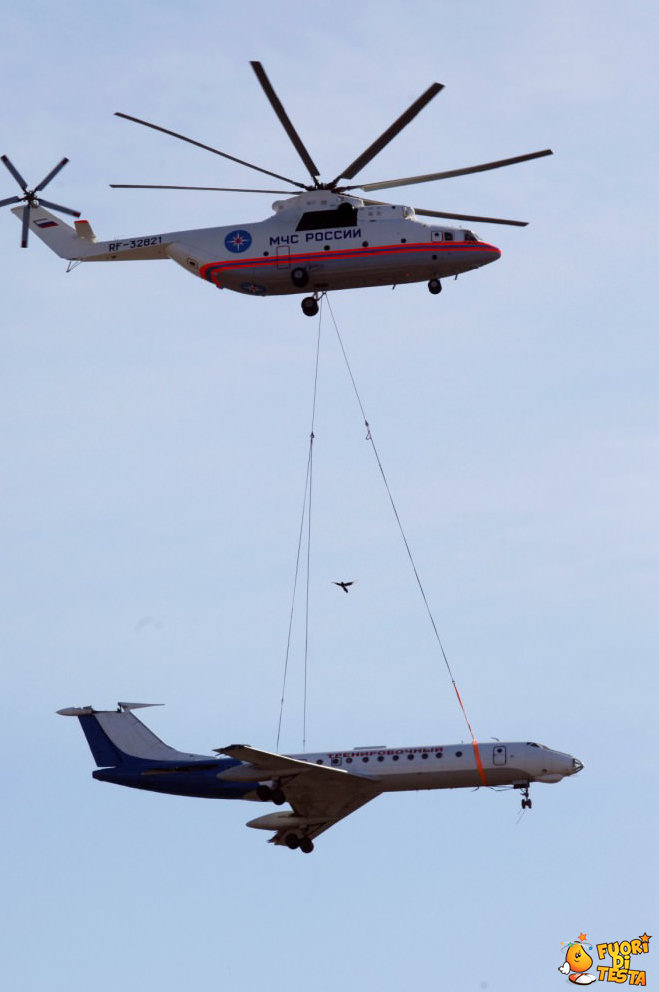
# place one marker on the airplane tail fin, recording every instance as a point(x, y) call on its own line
point(66, 241)
point(117, 737)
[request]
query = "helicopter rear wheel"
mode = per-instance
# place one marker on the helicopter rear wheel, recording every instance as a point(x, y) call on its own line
point(309, 306)
point(435, 286)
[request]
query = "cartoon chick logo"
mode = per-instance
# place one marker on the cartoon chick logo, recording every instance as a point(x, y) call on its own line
point(578, 961)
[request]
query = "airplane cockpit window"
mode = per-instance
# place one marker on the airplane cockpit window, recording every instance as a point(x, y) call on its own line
point(345, 215)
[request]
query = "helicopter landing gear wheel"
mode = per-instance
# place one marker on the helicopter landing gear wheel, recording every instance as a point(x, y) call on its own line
point(299, 277)
point(309, 306)
point(292, 841)
point(434, 286)
point(306, 845)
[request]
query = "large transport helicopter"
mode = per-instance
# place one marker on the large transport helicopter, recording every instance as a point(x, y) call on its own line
point(322, 238)
point(321, 788)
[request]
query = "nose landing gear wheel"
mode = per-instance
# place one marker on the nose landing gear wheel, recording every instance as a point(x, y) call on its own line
point(299, 277)
point(526, 802)
point(435, 286)
point(309, 306)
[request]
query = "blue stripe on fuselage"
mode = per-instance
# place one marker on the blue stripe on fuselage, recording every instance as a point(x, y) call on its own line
point(174, 779)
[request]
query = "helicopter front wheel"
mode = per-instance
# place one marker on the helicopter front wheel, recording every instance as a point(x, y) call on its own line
point(435, 286)
point(309, 306)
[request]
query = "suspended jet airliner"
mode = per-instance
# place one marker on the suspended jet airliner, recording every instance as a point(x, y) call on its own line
point(321, 788)
point(322, 238)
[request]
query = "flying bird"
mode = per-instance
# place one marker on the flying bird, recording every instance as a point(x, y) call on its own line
point(345, 585)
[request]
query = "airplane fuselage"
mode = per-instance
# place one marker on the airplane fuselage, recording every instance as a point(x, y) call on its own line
point(402, 769)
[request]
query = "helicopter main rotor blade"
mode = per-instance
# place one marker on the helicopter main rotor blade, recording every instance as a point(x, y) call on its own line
point(15, 173)
point(285, 120)
point(26, 225)
point(431, 176)
point(56, 206)
point(480, 220)
point(209, 148)
point(351, 171)
point(212, 189)
point(11, 199)
point(51, 175)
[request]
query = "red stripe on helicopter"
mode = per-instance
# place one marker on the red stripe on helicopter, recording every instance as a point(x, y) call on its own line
point(211, 269)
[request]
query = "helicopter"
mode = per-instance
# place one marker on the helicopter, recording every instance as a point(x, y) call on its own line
point(321, 237)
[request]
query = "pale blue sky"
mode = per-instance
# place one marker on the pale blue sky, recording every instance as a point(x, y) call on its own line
point(153, 447)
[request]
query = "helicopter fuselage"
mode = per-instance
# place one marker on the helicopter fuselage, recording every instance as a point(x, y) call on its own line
point(315, 241)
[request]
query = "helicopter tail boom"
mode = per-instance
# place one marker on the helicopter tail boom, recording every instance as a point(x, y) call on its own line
point(79, 243)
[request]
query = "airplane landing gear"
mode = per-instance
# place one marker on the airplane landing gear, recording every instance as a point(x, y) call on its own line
point(309, 306)
point(268, 795)
point(292, 842)
point(526, 802)
point(434, 286)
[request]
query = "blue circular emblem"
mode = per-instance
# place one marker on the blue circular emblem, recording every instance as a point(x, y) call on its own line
point(238, 240)
point(253, 288)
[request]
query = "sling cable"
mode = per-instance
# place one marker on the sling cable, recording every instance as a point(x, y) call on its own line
point(307, 504)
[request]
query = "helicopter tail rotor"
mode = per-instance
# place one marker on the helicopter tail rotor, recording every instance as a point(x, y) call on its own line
point(30, 196)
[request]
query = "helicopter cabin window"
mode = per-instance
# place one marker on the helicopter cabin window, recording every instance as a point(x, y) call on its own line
point(344, 215)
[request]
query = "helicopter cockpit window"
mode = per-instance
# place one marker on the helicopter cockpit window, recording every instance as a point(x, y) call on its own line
point(344, 215)
point(470, 236)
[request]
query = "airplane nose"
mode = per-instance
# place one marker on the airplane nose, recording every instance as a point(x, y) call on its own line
point(576, 766)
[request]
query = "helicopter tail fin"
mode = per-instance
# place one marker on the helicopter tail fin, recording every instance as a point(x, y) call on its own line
point(66, 241)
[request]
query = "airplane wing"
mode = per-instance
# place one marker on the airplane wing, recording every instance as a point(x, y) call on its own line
point(319, 795)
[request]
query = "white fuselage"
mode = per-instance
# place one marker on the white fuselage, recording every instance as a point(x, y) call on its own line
point(315, 241)
point(450, 766)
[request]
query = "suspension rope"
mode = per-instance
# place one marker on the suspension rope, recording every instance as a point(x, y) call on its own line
point(369, 437)
point(306, 514)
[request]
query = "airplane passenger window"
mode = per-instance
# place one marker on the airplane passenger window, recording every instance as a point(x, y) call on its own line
point(396, 757)
point(380, 757)
point(335, 761)
point(458, 754)
point(319, 761)
point(410, 757)
point(348, 761)
point(438, 754)
point(364, 759)
point(424, 755)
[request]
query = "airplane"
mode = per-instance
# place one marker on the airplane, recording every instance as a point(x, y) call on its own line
point(321, 788)
point(322, 238)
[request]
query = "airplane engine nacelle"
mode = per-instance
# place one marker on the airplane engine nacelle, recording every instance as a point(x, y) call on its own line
point(282, 821)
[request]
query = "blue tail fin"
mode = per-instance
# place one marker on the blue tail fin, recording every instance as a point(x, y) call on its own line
point(117, 737)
